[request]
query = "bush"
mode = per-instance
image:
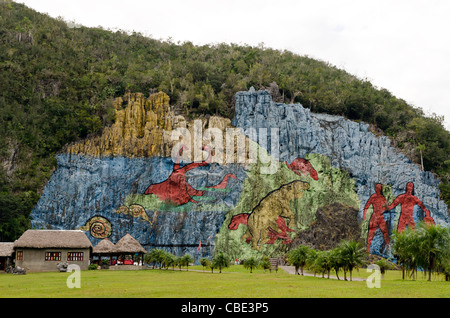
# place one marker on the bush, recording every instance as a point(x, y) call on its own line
point(92, 266)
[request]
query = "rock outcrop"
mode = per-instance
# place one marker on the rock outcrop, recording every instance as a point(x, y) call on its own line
point(140, 129)
point(350, 146)
point(136, 178)
point(333, 223)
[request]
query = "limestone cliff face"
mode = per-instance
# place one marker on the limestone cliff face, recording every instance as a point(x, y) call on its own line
point(139, 130)
point(100, 182)
point(143, 128)
point(351, 147)
point(133, 179)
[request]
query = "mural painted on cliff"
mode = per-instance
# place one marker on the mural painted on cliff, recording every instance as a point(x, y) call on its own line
point(404, 217)
point(269, 219)
point(273, 209)
point(125, 181)
point(176, 190)
point(379, 204)
point(136, 211)
point(98, 227)
point(301, 166)
point(267, 222)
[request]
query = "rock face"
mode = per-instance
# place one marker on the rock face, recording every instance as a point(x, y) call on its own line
point(135, 178)
point(100, 183)
point(140, 129)
point(368, 159)
point(334, 222)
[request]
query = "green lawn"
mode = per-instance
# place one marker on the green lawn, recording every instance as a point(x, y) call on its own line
point(233, 282)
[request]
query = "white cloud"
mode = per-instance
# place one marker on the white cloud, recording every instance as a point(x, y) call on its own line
point(399, 45)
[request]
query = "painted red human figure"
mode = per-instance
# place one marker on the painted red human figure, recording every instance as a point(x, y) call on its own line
point(379, 203)
point(408, 201)
point(176, 189)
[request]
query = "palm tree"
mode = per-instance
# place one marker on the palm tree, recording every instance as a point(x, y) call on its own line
point(433, 243)
point(168, 260)
point(446, 269)
point(352, 253)
point(336, 262)
point(155, 256)
point(205, 262)
point(428, 246)
point(265, 264)
point(319, 263)
point(186, 260)
point(421, 149)
point(406, 249)
point(311, 261)
point(298, 257)
point(179, 262)
point(384, 265)
point(250, 263)
point(324, 262)
point(212, 265)
point(220, 261)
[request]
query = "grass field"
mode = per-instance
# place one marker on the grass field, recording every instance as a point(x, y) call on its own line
point(233, 282)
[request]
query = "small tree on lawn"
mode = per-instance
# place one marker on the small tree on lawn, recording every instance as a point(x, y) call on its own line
point(205, 263)
point(169, 260)
point(405, 249)
point(434, 242)
point(298, 257)
point(186, 260)
point(384, 265)
point(311, 261)
point(220, 261)
point(323, 262)
point(250, 263)
point(154, 257)
point(179, 262)
point(352, 254)
point(265, 264)
point(336, 262)
point(212, 265)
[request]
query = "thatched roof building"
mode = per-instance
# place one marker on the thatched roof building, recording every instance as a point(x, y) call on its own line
point(128, 244)
point(6, 249)
point(123, 252)
point(53, 239)
point(105, 246)
point(6, 255)
point(42, 250)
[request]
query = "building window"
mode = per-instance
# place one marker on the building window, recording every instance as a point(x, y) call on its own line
point(53, 256)
point(19, 255)
point(75, 256)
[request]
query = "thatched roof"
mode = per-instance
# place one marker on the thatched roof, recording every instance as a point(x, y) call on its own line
point(6, 249)
point(128, 244)
point(105, 246)
point(53, 239)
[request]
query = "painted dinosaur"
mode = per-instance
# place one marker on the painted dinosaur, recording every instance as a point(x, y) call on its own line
point(264, 225)
point(273, 235)
point(302, 166)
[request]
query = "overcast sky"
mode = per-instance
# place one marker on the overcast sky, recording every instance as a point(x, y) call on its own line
point(400, 45)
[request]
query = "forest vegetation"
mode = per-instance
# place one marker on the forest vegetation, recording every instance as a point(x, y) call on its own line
point(58, 81)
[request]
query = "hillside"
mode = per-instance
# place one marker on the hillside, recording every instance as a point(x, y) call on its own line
point(59, 83)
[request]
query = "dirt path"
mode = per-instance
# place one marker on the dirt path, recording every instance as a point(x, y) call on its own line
point(291, 270)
